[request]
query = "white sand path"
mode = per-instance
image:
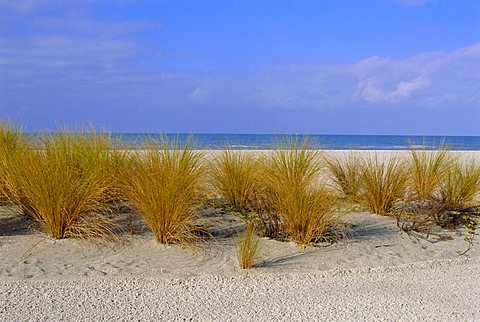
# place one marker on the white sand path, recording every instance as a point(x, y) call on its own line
point(442, 290)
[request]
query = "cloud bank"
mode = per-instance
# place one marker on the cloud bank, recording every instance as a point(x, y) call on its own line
point(434, 80)
point(63, 63)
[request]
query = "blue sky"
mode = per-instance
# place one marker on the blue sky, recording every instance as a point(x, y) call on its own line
point(310, 66)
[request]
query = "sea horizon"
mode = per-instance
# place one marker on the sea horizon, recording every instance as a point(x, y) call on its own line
point(249, 141)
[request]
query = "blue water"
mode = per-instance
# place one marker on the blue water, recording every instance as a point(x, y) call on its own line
point(328, 142)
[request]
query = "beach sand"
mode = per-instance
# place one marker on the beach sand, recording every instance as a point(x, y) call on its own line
point(378, 272)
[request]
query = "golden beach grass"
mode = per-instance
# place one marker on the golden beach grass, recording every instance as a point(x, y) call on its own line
point(383, 182)
point(67, 182)
point(304, 205)
point(427, 168)
point(11, 143)
point(247, 247)
point(234, 176)
point(162, 184)
point(345, 172)
point(460, 185)
point(62, 183)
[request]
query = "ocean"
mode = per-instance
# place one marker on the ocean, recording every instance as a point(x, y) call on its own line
point(327, 142)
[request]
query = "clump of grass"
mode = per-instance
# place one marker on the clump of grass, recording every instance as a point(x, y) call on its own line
point(162, 184)
point(247, 247)
point(11, 143)
point(303, 204)
point(345, 172)
point(267, 220)
point(382, 183)
point(115, 162)
point(460, 185)
point(427, 168)
point(234, 176)
point(62, 183)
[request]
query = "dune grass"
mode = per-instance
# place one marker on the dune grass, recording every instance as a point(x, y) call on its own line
point(460, 185)
point(162, 183)
point(62, 183)
point(247, 247)
point(234, 176)
point(383, 182)
point(345, 173)
point(427, 169)
point(304, 205)
point(11, 143)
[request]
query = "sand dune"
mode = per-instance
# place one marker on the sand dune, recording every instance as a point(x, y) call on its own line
point(372, 241)
point(378, 272)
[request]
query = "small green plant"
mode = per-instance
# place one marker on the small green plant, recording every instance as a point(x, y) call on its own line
point(383, 183)
point(345, 172)
point(470, 229)
point(247, 247)
point(234, 176)
point(163, 183)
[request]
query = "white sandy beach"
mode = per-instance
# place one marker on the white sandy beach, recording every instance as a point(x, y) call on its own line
point(378, 272)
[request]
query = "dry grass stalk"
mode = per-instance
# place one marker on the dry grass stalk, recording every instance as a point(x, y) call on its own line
point(460, 185)
point(162, 183)
point(427, 168)
point(303, 204)
point(383, 183)
point(11, 143)
point(345, 172)
point(268, 222)
point(247, 247)
point(234, 176)
point(63, 183)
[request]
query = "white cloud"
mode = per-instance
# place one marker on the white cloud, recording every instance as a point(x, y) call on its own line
point(426, 79)
point(432, 79)
point(77, 54)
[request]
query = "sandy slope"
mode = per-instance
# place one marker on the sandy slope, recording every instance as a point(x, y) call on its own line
point(378, 273)
point(372, 241)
